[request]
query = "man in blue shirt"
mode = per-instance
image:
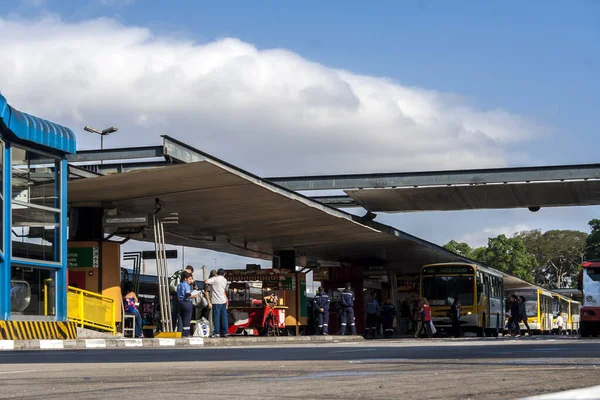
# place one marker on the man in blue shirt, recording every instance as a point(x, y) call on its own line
point(321, 303)
point(348, 311)
point(184, 301)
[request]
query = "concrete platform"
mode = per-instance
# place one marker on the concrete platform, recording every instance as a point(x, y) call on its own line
point(118, 342)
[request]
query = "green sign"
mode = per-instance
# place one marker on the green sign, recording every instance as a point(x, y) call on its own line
point(83, 257)
point(303, 312)
point(290, 283)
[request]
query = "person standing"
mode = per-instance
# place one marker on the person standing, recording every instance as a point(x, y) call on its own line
point(425, 312)
point(219, 303)
point(514, 316)
point(372, 308)
point(174, 282)
point(184, 301)
point(523, 314)
point(455, 317)
point(347, 318)
point(559, 324)
point(321, 303)
point(388, 313)
point(405, 316)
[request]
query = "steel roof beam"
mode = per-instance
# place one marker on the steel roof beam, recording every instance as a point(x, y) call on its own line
point(127, 153)
point(436, 178)
point(336, 201)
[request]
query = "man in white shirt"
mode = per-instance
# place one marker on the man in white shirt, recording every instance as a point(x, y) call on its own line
point(559, 324)
point(219, 303)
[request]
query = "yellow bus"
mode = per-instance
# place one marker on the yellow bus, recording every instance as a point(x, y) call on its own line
point(479, 289)
point(561, 306)
point(538, 306)
point(574, 316)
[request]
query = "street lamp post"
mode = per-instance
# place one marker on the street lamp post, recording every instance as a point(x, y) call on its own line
point(102, 133)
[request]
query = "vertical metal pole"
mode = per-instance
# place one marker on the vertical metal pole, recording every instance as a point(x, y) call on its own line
point(161, 293)
point(298, 306)
point(166, 273)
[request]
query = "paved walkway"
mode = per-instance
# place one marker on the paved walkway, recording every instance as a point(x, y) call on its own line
point(115, 343)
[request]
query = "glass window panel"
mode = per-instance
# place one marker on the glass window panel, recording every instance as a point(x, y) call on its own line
point(32, 292)
point(440, 290)
point(35, 233)
point(34, 178)
point(2, 196)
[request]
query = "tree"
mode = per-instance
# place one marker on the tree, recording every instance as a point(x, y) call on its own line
point(558, 255)
point(592, 244)
point(460, 248)
point(508, 255)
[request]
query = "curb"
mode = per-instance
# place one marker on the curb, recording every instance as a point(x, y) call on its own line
point(14, 345)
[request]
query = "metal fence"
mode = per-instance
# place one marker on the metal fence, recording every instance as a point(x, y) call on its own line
point(91, 310)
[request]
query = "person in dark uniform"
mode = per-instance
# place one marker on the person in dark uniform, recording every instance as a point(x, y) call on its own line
point(321, 304)
point(372, 309)
point(455, 317)
point(388, 313)
point(514, 316)
point(184, 301)
point(348, 311)
point(523, 314)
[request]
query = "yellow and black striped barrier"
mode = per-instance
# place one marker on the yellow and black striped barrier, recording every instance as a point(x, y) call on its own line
point(37, 330)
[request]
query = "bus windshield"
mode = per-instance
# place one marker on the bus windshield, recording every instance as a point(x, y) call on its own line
point(531, 302)
point(440, 290)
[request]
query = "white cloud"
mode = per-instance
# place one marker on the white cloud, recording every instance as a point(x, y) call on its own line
point(477, 239)
point(270, 111)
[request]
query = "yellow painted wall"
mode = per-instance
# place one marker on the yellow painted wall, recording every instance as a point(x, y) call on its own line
point(110, 260)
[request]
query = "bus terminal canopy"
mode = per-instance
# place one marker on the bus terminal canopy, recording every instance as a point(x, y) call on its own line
point(226, 209)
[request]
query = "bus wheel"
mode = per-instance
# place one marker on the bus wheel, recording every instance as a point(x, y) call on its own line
point(480, 332)
point(584, 330)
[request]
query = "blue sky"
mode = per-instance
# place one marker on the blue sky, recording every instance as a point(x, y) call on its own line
point(536, 60)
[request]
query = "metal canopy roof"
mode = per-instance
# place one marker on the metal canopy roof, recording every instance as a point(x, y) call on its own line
point(229, 210)
point(492, 196)
point(36, 130)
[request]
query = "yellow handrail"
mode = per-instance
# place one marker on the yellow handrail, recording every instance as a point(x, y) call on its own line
point(89, 309)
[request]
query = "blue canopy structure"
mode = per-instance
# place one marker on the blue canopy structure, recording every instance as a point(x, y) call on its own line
point(28, 128)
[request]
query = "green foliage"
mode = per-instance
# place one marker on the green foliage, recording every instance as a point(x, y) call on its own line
point(462, 248)
point(508, 255)
point(558, 255)
point(551, 259)
point(592, 251)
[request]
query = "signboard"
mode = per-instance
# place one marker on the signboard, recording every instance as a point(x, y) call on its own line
point(290, 283)
point(151, 255)
point(250, 276)
point(83, 257)
point(442, 270)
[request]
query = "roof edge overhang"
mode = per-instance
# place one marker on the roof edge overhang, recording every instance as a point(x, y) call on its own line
point(26, 128)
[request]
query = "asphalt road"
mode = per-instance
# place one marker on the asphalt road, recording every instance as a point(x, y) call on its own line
point(407, 369)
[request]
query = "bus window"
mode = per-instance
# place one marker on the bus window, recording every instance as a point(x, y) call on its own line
point(440, 290)
point(480, 286)
point(564, 306)
point(531, 302)
point(555, 306)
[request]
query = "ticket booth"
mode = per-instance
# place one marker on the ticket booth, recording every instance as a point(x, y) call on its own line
point(33, 204)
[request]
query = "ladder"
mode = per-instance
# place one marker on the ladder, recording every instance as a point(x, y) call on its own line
point(162, 270)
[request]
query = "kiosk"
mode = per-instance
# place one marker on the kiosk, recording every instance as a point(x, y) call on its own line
point(33, 242)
